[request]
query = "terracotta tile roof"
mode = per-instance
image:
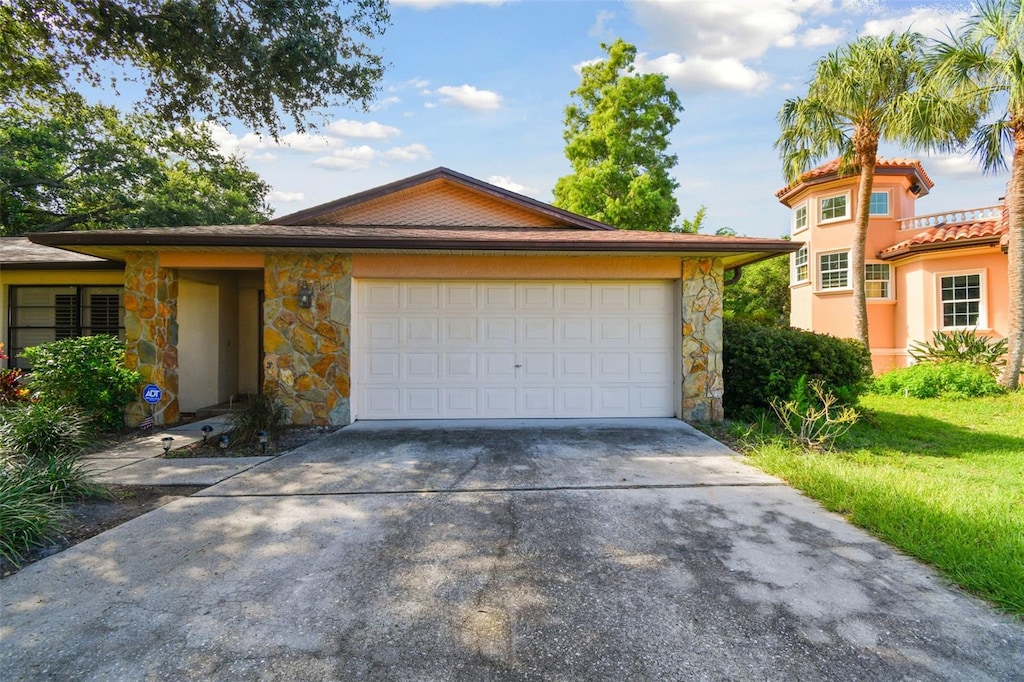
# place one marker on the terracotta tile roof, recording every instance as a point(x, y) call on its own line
point(20, 253)
point(831, 168)
point(993, 231)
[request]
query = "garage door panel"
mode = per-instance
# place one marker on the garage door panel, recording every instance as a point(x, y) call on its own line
point(440, 349)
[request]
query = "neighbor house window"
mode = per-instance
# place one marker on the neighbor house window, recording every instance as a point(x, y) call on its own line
point(961, 300)
point(879, 204)
point(834, 270)
point(835, 208)
point(876, 280)
point(40, 314)
point(800, 265)
point(800, 218)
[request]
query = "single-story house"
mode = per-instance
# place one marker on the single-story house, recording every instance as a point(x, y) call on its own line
point(437, 296)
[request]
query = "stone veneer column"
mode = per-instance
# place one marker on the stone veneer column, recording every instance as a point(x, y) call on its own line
point(151, 334)
point(307, 349)
point(702, 340)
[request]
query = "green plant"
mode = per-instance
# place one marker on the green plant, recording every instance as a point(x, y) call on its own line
point(955, 379)
point(813, 417)
point(87, 372)
point(43, 431)
point(962, 345)
point(28, 515)
point(262, 412)
point(761, 364)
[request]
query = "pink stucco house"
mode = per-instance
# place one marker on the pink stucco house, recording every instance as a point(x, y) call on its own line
point(940, 271)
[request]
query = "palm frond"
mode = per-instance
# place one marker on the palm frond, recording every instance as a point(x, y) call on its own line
point(989, 142)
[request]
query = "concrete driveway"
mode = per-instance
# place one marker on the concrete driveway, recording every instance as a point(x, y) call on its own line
point(636, 550)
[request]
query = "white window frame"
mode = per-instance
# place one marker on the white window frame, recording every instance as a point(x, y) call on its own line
point(796, 218)
point(888, 282)
point(982, 322)
point(888, 204)
point(822, 220)
point(795, 273)
point(822, 271)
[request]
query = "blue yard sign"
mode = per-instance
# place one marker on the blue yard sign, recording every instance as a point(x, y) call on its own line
point(152, 394)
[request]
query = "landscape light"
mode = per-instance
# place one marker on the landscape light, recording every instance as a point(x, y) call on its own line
point(224, 440)
point(167, 440)
point(263, 441)
point(207, 430)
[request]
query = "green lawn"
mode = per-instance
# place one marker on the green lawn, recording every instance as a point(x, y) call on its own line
point(942, 480)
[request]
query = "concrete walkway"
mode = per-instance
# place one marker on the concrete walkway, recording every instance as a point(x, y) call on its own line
point(141, 461)
point(632, 550)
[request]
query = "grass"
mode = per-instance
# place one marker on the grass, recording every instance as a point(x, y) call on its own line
point(940, 479)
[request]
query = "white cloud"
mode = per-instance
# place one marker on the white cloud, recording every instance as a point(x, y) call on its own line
point(600, 28)
point(431, 4)
point(929, 21)
point(734, 29)
point(698, 74)
point(384, 103)
point(348, 158)
point(412, 152)
point(578, 68)
point(285, 197)
point(469, 97)
point(821, 35)
point(262, 156)
point(956, 165)
point(511, 185)
point(360, 130)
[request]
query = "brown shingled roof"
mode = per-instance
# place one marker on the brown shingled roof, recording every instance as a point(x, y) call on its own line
point(830, 171)
point(979, 232)
point(18, 253)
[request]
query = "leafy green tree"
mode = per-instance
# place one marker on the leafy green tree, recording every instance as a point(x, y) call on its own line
point(861, 94)
point(692, 225)
point(616, 135)
point(89, 166)
point(761, 294)
point(982, 66)
point(244, 59)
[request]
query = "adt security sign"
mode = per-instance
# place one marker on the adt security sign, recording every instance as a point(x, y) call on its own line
point(152, 394)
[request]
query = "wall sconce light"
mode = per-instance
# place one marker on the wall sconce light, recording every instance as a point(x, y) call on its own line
point(305, 295)
point(224, 440)
point(263, 441)
point(915, 189)
point(207, 430)
point(167, 440)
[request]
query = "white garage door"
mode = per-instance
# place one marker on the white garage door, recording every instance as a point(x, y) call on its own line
point(465, 350)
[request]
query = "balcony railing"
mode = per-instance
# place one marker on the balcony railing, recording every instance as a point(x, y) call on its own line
point(952, 218)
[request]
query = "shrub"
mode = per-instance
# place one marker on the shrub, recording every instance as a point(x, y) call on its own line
point(87, 372)
point(260, 413)
point(938, 379)
point(962, 346)
point(28, 514)
point(812, 416)
point(761, 364)
point(41, 431)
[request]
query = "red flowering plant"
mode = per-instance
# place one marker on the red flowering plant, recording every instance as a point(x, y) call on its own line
point(11, 389)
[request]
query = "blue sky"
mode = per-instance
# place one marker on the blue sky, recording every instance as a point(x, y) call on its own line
point(480, 87)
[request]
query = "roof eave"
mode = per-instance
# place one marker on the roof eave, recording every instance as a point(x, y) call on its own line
point(939, 246)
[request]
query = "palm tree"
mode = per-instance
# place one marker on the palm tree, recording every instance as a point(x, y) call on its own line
point(982, 66)
point(859, 96)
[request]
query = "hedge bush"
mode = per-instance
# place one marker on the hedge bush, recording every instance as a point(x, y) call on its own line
point(86, 372)
point(938, 379)
point(761, 364)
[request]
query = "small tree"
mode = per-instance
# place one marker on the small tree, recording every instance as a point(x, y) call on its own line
point(616, 134)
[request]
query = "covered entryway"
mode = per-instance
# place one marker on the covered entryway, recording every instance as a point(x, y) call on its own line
point(429, 349)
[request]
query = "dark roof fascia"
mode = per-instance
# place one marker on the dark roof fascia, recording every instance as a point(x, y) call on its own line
point(49, 265)
point(832, 177)
point(300, 217)
point(939, 246)
point(127, 238)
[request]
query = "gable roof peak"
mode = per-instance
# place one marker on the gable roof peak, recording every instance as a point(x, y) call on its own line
point(556, 217)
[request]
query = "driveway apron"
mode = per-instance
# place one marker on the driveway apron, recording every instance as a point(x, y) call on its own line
point(548, 550)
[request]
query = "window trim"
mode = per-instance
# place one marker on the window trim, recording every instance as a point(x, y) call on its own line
point(888, 282)
point(794, 277)
point(807, 217)
point(846, 215)
point(982, 323)
point(888, 204)
point(821, 271)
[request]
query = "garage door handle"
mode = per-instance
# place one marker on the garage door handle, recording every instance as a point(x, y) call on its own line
point(518, 366)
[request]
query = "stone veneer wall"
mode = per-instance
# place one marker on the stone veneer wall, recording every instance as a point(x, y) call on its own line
point(306, 350)
point(702, 340)
point(151, 334)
